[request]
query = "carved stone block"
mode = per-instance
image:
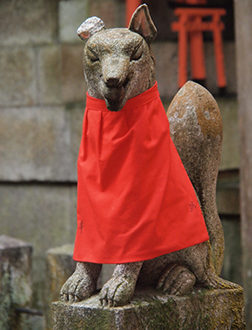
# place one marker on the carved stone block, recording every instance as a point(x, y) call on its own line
point(15, 279)
point(27, 21)
point(73, 85)
point(49, 75)
point(53, 137)
point(60, 265)
point(203, 309)
point(17, 83)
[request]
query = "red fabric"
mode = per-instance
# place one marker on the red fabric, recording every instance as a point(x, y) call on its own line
point(135, 200)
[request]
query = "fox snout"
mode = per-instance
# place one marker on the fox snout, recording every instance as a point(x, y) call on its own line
point(115, 71)
point(113, 82)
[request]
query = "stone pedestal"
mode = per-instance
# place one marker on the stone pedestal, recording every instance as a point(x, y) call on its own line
point(150, 309)
point(60, 266)
point(15, 280)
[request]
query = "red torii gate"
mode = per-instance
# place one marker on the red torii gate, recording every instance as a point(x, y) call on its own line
point(190, 24)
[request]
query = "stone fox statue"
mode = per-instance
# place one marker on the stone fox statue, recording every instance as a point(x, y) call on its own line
point(137, 207)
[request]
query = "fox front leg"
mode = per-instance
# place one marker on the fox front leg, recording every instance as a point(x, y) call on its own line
point(120, 288)
point(82, 283)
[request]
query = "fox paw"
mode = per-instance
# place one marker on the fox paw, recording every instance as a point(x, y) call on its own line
point(82, 284)
point(77, 288)
point(176, 280)
point(117, 291)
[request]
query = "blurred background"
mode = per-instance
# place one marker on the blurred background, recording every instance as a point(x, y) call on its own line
point(42, 100)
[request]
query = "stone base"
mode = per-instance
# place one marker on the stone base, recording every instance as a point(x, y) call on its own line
point(15, 280)
point(150, 309)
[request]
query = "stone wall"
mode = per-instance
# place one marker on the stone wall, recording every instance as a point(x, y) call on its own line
point(42, 93)
point(150, 309)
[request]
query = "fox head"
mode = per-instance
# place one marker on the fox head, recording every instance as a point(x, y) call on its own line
point(118, 62)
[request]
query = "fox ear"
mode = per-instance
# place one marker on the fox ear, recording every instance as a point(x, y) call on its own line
point(89, 27)
point(142, 23)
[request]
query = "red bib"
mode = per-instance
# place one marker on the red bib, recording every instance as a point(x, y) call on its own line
point(135, 200)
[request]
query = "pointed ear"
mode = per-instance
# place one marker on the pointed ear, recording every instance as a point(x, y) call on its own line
point(142, 23)
point(89, 27)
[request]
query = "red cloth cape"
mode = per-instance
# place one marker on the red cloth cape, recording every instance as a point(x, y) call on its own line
point(135, 200)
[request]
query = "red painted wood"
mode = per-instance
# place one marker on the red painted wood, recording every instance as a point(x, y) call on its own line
point(219, 56)
point(192, 2)
point(183, 49)
point(131, 6)
point(190, 23)
point(200, 11)
point(197, 55)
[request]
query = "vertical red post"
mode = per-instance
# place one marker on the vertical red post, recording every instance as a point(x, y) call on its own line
point(131, 6)
point(190, 22)
point(192, 2)
point(183, 36)
point(197, 53)
point(218, 49)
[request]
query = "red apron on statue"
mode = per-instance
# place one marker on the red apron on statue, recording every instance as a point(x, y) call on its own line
point(135, 200)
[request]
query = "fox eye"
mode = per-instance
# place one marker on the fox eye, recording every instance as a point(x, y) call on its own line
point(93, 57)
point(137, 53)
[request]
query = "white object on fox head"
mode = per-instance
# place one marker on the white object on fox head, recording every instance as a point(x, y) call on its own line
point(89, 27)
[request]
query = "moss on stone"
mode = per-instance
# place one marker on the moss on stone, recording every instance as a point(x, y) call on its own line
point(150, 309)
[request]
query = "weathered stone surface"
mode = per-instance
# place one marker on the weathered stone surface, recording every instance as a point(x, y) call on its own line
point(15, 278)
point(166, 55)
point(243, 14)
point(215, 309)
point(196, 130)
point(49, 75)
point(112, 12)
point(71, 15)
point(229, 63)
point(73, 84)
point(60, 265)
point(27, 321)
point(43, 214)
point(17, 254)
point(18, 72)
point(231, 138)
point(39, 143)
point(27, 21)
point(230, 158)
point(5, 299)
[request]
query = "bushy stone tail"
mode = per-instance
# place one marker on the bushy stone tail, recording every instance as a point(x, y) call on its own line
point(196, 130)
